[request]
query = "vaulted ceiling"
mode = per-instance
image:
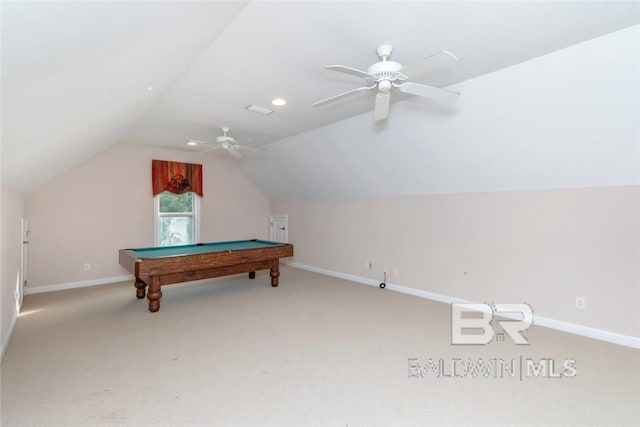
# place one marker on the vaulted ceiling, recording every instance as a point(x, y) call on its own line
point(78, 77)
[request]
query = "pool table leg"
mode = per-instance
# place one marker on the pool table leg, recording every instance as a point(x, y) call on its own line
point(140, 288)
point(275, 272)
point(154, 294)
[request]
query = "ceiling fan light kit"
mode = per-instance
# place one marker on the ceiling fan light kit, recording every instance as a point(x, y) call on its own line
point(386, 75)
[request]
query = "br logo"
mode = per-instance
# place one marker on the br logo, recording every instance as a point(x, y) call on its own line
point(472, 323)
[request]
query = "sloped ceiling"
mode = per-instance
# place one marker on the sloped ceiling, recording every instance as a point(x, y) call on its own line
point(568, 119)
point(75, 76)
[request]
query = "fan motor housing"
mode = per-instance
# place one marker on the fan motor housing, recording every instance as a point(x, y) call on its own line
point(386, 70)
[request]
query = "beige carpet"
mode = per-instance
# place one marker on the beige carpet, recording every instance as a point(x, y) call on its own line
point(316, 351)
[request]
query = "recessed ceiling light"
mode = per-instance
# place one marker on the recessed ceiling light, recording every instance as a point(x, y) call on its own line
point(260, 110)
point(192, 143)
point(278, 102)
point(149, 88)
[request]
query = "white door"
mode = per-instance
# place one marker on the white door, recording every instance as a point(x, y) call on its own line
point(279, 228)
point(24, 234)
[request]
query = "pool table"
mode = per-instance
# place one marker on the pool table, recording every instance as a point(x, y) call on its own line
point(158, 266)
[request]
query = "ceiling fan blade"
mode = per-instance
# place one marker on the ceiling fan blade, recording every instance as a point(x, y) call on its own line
point(382, 106)
point(431, 92)
point(235, 153)
point(211, 148)
point(248, 148)
point(432, 62)
point(208, 146)
point(349, 70)
point(343, 94)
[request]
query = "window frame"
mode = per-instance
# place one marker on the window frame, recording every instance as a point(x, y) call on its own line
point(195, 214)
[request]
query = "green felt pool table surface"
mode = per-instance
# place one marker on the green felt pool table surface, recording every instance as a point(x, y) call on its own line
point(202, 248)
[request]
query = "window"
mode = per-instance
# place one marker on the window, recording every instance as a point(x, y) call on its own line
point(177, 219)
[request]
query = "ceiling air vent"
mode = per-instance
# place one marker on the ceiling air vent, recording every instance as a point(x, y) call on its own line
point(260, 110)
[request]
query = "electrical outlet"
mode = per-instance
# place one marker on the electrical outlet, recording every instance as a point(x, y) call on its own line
point(87, 266)
point(581, 302)
point(395, 271)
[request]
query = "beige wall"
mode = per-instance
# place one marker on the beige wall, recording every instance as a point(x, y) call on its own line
point(106, 204)
point(11, 212)
point(543, 247)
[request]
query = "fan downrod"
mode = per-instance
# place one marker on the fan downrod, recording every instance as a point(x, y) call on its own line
point(384, 52)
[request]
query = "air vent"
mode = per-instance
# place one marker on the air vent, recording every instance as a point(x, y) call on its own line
point(260, 110)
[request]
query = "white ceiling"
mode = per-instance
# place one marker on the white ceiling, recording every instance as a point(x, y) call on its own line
point(75, 76)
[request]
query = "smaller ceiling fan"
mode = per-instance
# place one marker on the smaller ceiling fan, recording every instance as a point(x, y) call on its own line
point(224, 142)
point(386, 75)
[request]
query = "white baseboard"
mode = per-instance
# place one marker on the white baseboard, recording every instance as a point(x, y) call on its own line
point(587, 331)
point(5, 343)
point(73, 285)
point(572, 328)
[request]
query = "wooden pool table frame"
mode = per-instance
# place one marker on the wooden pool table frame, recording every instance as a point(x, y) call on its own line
point(160, 271)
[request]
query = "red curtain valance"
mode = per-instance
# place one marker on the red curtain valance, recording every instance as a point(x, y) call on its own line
point(176, 177)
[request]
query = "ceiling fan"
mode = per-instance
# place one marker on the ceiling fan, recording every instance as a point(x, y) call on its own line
point(224, 142)
point(386, 75)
